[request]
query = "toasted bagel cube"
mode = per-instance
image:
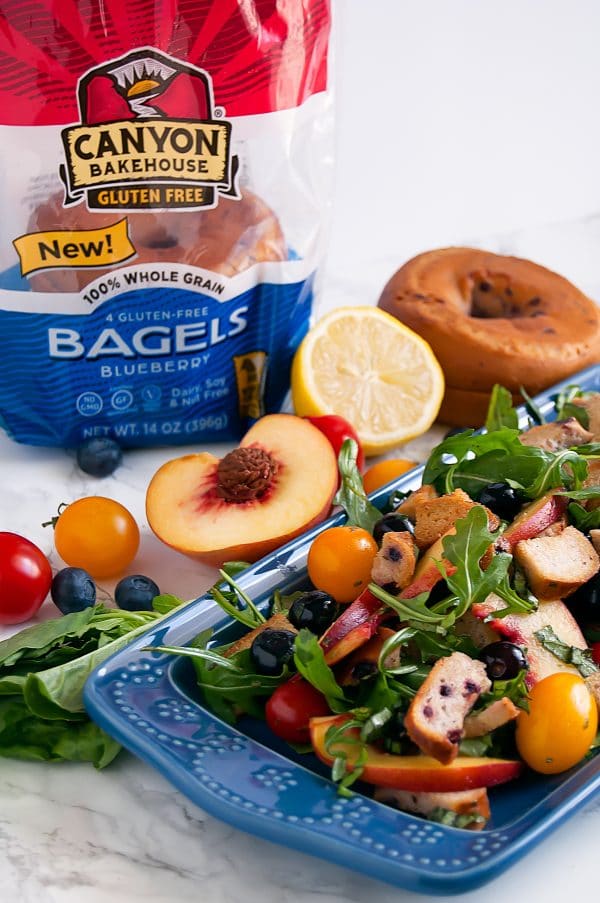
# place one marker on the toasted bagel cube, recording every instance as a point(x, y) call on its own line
point(463, 802)
point(595, 538)
point(395, 561)
point(556, 436)
point(592, 481)
point(408, 506)
point(499, 713)
point(434, 517)
point(436, 715)
point(555, 566)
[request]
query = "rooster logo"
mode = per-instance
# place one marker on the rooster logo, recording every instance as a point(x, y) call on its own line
point(147, 120)
point(142, 85)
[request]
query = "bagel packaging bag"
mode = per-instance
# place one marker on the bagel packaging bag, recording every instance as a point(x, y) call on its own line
point(166, 170)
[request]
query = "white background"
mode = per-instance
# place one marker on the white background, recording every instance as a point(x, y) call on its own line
point(457, 119)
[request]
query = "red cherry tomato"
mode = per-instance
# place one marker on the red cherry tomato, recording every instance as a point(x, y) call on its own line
point(25, 578)
point(290, 708)
point(336, 429)
point(595, 647)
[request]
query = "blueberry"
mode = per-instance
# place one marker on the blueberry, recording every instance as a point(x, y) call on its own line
point(364, 670)
point(502, 499)
point(271, 650)
point(314, 610)
point(585, 602)
point(503, 660)
point(73, 589)
point(392, 522)
point(136, 593)
point(99, 456)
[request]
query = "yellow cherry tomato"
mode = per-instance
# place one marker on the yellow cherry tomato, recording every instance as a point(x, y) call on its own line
point(560, 726)
point(98, 535)
point(381, 473)
point(340, 561)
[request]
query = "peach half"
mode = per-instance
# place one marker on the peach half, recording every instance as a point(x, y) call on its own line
point(278, 482)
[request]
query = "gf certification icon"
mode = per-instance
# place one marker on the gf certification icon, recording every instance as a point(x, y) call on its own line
point(121, 399)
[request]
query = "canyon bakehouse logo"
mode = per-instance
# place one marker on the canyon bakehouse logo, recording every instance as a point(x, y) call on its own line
point(150, 136)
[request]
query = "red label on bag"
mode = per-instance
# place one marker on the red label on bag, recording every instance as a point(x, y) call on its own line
point(262, 56)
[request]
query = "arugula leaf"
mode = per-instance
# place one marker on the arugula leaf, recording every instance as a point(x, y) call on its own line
point(532, 408)
point(565, 468)
point(582, 519)
point(470, 462)
point(580, 658)
point(198, 651)
point(500, 410)
point(515, 604)
point(467, 447)
point(454, 819)
point(465, 549)
point(230, 693)
point(396, 498)
point(589, 450)
point(231, 599)
point(311, 664)
point(351, 495)
point(565, 407)
point(414, 609)
point(515, 689)
point(281, 604)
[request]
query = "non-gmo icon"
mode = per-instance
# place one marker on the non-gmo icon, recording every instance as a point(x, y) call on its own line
point(88, 404)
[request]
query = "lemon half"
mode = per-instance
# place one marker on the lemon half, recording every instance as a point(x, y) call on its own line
point(366, 366)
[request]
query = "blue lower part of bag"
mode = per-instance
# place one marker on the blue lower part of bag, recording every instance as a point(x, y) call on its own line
point(155, 366)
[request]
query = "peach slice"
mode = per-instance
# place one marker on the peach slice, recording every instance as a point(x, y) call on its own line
point(416, 773)
point(428, 573)
point(533, 520)
point(354, 627)
point(279, 482)
point(521, 629)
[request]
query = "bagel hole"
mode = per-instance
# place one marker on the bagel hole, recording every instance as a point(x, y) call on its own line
point(496, 298)
point(161, 241)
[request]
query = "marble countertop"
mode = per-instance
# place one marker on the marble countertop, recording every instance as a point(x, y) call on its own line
point(70, 834)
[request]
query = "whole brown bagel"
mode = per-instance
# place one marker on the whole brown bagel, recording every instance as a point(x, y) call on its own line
point(494, 319)
point(226, 239)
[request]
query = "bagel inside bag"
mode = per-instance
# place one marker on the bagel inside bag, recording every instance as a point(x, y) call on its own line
point(165, 178)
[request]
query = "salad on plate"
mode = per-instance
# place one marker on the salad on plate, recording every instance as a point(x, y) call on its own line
point(447, 644)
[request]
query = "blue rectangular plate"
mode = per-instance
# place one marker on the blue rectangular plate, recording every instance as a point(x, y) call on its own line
point(244, 776)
